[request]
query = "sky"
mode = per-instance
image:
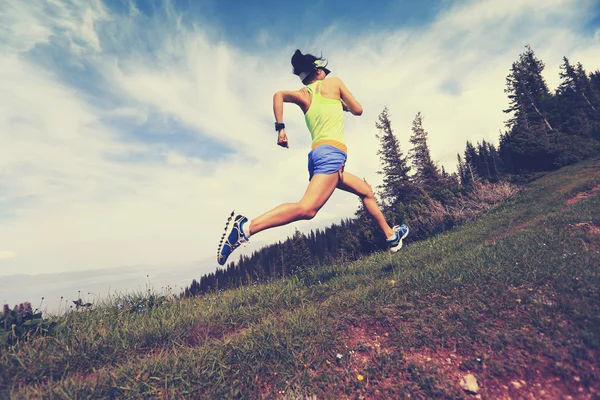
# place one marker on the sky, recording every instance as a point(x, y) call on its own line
point(129, 130)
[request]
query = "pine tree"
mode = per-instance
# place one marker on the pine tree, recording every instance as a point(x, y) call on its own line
point(577, 101)
point(595, 82)
point(445, 175)
point(505, 153)
point(427, 174)
point(529, 128)
point(299, 256)
point(471, 165)
point(463, 172)
point(585, 88)
point(483, 160)
point(396, 185)
point(528, 93)
point(349, 241)
point(494, 163)
point(282, 271)
point(367, 231)
point(576, 83)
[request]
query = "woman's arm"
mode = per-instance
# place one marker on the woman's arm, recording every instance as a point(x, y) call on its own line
point(348, 99)
point(278, 99)
point(286, 96)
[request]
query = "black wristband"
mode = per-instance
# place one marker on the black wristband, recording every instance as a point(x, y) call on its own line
point(279, 126)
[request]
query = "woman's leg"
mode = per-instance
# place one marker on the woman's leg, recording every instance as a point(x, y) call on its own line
point(353, 184)
point(319, 190)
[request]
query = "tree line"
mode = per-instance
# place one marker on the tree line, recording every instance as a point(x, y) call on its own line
point(545, 130)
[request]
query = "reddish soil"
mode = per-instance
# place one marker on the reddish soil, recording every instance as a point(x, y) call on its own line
point(367, 340)
point(583, 195)
point(199, 333)
point(516, 228)
point(591, 238)
point(590, 228)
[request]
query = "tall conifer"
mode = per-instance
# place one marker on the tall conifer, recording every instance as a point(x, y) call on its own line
point(528, 93)
point(529, 128)
point(426, 172)
point(396, 185)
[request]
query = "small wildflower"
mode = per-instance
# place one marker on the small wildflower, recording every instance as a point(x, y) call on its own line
point(519, 301)
point(339, 356)
point(360, 377)
point(327, 361)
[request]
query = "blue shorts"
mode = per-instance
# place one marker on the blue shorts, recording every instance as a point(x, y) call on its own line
point(325, 159)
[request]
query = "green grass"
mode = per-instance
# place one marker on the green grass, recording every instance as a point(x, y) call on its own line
point(512, 296)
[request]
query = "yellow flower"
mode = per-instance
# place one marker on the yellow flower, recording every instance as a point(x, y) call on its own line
point(360, 377)
point(518, 300)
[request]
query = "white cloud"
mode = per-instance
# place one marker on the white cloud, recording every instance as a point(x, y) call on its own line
point(85, 210)
point(7, 255)
point(473, 15)
point(133, 10)
point(19, 21)
point(25, 24)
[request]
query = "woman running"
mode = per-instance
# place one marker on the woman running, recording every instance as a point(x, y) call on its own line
point(322, 101)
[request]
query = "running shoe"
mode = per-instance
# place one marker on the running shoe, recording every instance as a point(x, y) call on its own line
point(395, 243)
point(232, 238)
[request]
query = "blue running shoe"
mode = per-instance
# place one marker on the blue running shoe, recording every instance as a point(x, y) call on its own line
point(395, 243)
point(232, 238)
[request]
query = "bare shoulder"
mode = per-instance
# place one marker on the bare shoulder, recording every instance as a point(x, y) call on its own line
point(334, 81)
point(334, 84)
point(331, 88)
point(304, 94)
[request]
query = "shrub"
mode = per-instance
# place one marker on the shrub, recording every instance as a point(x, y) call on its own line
point(20, 323)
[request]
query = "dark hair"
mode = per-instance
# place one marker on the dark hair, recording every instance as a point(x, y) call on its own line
point(305, 63)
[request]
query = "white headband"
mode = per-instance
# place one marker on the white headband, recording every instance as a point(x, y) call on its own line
point(317, 64)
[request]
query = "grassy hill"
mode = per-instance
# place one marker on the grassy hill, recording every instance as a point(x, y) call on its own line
point(512, 298)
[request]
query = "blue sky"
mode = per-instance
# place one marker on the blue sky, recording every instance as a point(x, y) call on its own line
point(129, 130)
point(241, 23)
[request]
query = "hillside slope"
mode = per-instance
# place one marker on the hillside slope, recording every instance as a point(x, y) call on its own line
point(512, 298)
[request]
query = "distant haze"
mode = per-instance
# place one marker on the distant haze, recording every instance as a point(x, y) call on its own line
point(96, 284)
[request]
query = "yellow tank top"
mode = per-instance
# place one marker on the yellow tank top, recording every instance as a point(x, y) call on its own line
point(325, 119)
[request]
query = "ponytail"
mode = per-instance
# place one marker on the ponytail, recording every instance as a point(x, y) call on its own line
point(305, 65)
